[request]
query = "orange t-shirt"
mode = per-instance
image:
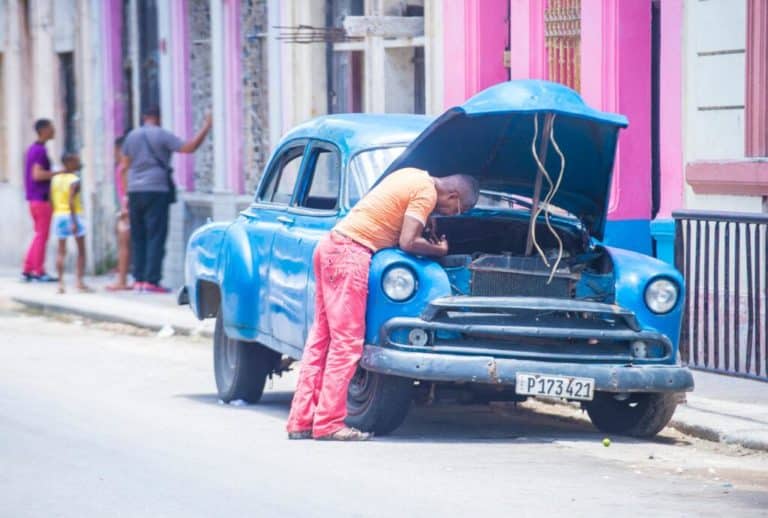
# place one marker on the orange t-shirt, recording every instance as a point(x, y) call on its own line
point(377, 219)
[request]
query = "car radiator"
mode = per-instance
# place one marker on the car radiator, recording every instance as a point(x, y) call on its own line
point(516, 276)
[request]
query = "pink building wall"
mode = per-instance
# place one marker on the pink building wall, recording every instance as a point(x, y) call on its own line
point(476, 30)
point(181, 95)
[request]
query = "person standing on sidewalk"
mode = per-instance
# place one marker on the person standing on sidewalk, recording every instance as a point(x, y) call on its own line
point(393, 214)
point(148, 180)
point(37, 183)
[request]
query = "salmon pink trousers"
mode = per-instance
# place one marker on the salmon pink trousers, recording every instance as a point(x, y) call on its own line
point(335, 341)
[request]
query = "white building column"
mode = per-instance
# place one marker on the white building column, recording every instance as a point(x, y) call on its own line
point(165, 64)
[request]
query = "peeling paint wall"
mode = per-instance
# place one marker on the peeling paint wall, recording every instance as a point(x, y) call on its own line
point(201, 87)
point(255, 95)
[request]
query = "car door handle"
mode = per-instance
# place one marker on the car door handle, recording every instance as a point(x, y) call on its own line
point(286, 219)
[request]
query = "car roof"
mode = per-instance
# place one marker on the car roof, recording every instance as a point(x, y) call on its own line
point(353, 132)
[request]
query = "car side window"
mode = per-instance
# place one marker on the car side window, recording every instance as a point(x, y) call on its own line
point(323, 190)
point(281, 184)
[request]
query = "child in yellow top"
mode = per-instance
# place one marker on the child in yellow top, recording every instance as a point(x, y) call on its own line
point(67, 217)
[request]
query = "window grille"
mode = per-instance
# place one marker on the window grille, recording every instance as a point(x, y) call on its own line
point(562, 25)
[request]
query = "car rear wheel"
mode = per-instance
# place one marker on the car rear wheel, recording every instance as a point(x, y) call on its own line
point(378, 403)
point(241, 368)
point(636, 414)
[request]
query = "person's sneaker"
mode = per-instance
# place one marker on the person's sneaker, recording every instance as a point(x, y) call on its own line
point(155, 288)
point(46, 278)
point(28, 277)
point(138, 287)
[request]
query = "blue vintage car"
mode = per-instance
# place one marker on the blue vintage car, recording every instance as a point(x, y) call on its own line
point(527, 303)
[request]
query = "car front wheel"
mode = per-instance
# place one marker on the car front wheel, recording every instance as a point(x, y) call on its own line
point(241, 368)
point(635, 414)
point(378, 403)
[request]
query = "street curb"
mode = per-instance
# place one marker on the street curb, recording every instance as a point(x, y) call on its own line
point(47, 308)
point(707, 433)
point(712, 434)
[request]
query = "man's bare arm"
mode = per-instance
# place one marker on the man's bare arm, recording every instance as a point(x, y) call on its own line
point(74, 188)
point(39, 174)
point(413, 242)
point(191, 145)
point(122, 171)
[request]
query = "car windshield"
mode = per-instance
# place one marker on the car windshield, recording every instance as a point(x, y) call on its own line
point(367, 167)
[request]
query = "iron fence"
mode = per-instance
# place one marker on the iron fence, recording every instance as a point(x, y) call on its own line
point(723, 259)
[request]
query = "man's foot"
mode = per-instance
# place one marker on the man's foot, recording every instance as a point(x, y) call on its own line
point(46, 278)
point(297, 436)
point(84, 288)
point(62, 290)
point(155, 288)
point(346, 434)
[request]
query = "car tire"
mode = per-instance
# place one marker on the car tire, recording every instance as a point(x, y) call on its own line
point(241, 368)
point(639, 415)
point(378, 403)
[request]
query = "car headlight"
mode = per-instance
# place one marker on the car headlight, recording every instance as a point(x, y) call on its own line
point(399, 283)
point(661, 295)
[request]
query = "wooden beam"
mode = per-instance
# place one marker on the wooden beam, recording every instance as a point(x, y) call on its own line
point(384, 26)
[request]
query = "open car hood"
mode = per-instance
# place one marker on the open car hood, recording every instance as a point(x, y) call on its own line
point(490, 137)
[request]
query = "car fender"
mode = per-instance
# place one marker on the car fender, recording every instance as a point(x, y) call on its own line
point(201, 268)
point(431, 280)
point(240, 281)
point(633, 272)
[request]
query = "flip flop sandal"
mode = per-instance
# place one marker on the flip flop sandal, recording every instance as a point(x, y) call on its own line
point(297, 436)
point(347, 434)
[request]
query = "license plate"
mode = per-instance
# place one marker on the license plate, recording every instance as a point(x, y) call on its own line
point(555, 386)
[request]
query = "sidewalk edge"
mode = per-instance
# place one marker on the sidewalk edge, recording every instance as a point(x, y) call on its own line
point(59, 309)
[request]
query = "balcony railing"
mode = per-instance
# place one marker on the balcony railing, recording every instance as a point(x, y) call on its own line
point(723, 259)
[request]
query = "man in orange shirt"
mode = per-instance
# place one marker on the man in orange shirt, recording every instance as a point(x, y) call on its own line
point(392, 214)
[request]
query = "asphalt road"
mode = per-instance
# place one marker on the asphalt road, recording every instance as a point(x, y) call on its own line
point(94, 422)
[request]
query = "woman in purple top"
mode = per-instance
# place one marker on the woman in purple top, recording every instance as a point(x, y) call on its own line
point(37, 180)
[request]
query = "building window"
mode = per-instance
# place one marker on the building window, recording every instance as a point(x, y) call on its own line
point(345, 61)
point(757, 79)
point(149, 54)
point(397, 82)
point(562, 25)
point(69, 101)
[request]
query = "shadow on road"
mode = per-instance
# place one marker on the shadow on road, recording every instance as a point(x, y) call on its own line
point(457, 423)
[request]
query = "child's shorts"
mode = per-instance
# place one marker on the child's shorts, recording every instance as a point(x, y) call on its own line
point(62, 223)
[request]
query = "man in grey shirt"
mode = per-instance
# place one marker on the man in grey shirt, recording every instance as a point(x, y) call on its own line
point(146, 173)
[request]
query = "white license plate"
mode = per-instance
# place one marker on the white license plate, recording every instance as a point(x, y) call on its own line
point(555, 386)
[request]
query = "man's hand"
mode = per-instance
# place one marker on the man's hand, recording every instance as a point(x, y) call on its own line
point(412, 240)
point(74, 228)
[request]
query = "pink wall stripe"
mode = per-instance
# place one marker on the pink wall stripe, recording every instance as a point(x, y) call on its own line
point(112, 15)
point(528, 54)
point(233, 88)
point(182, 110)
point(671, 119)
point(477, 30)
point(615, 67)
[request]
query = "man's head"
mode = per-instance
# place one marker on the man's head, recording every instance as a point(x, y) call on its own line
point(456, 194)
point(71, 162)
point(44, 129)
point(152, 115)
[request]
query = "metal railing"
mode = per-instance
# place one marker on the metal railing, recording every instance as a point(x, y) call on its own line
point(723, 259)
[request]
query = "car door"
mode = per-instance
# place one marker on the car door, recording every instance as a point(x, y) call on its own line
point(265, 219)
point(313, 214)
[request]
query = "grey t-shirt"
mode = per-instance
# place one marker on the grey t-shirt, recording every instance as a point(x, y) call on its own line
point(145, 174)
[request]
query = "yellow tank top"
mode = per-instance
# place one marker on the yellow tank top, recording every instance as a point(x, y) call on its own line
point(60, 193)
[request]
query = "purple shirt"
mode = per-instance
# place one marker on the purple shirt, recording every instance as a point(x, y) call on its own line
point(36, 191)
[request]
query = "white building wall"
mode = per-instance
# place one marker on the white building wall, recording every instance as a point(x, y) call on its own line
point(715, 45)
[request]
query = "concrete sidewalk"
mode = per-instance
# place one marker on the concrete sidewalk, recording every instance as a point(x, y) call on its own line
point(721, 408)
